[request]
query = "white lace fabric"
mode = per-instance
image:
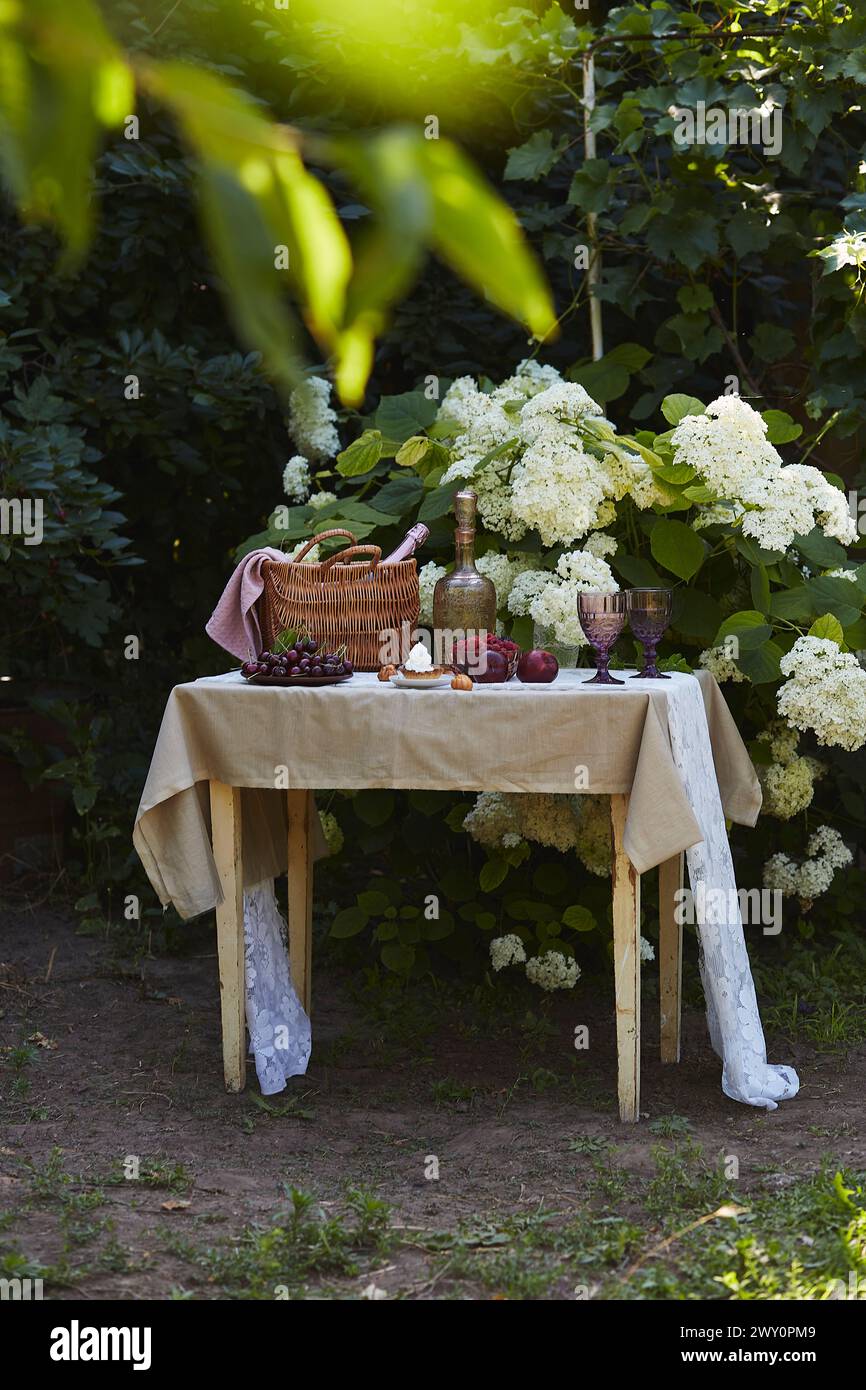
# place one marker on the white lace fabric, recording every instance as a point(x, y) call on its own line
point(732, 1008)
point(280, 1034)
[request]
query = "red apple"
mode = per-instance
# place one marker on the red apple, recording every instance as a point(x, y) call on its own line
point(537, 666)
point(497, 669)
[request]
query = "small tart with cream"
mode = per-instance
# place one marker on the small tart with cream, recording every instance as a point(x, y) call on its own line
point(418, 665)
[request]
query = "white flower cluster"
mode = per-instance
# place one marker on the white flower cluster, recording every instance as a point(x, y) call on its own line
point(296, 479)
point(551, 598)
point(507, 950)
point(647, 951)
point(545, 477)
point(593, 834)
point(825, 691)
point(502, 820)
point(719, 664)
point(552, 971)
point(312, 421)
point(317, 500)
point(332, 832)
point(428, 577)
point(728, 448)
point(788, 782)
point(503, 571)
point(826, 852)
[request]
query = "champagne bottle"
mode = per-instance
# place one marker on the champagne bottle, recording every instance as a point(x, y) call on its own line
point(464, 601)
point(414, 537)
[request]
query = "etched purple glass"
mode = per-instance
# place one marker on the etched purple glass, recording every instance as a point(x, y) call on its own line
point(602, 617)
point(649, 612)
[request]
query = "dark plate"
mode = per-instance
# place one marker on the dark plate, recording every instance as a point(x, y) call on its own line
point(298, 680)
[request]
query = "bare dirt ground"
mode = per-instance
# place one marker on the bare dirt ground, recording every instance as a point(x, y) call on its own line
point(105, 1062)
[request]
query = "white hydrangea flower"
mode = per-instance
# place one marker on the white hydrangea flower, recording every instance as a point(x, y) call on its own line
point(826, 852)
point(312, 421)
point(593, 833)
point(728, 447)
point(428, 577)
point(719, 664)
point(492, 817)
point(507, 950)
point(647, 951)
point(600, 545)
point(525, 590)
point(788, 782)
point(503, 571)
point(551, 598)
point(825, 691)
point(317, 500)
point(296, 479)
point(553, 971)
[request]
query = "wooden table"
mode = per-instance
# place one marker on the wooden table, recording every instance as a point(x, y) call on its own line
point(225, 804)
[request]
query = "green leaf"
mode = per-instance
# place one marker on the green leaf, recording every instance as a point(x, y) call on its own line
point(578, 918)
point(748, 230)
point(748, 626)
point(535, 157)
point(398, 957)
point(592, 186)
point(398, 496)
point(637, 571)
point(362, 455)
point(404, 415)
point(693, 298)
point(349, 922)
point(414, 450)
point(771, 343)
point(436, 929)
point(675, 408)
point(373, 807)
point(492, 874)
point(608, 378)
point(781, 428)
point(437, 503)
point(761, 665)
point(677, 547)
point(795, 604)
point(821, 550)
point(480, 237)
point(695, 615)
point(373, 902)
point(760, 587)
point(828, 627)
point(838, 596)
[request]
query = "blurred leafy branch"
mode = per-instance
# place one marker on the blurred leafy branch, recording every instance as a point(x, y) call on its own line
point(269, 221)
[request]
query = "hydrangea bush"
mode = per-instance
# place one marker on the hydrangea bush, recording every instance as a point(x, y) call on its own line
point(768, 596)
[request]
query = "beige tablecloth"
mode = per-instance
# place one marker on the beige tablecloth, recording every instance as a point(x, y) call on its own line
point(512, 737)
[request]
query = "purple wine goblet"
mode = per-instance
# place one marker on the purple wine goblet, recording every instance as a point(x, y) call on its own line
point(649, 612)
point(602, 617)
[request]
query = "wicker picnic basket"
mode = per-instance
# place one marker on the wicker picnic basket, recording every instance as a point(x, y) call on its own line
point(338, 602)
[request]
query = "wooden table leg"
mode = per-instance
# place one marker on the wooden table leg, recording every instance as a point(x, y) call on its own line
point(626, 964)
point(225, 810)
point(301, 807)
point(670, 957)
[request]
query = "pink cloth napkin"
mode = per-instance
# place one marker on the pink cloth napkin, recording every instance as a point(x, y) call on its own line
point(234, 623)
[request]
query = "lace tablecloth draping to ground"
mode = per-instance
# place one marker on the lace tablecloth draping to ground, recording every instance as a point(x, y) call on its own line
point(732, 1008)
point(670, 744)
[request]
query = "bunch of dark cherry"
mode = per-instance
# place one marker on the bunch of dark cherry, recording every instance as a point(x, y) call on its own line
point(305, 658)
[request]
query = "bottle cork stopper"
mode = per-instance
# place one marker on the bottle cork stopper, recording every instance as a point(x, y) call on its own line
point(465, 504)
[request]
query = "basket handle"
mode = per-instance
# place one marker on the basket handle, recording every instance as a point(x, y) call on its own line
point(323, 536)
point(342, 555)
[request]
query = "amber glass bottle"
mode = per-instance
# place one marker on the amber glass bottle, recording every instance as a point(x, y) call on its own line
point(464, 601)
